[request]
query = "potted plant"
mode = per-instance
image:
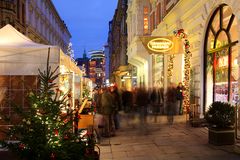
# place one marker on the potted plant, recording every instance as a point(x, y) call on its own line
point(221, 119)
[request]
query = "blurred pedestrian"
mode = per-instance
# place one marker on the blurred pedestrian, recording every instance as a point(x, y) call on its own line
point(116, 106)
point(98, 99)
point(142, 103)
point(107, 110)
point(155, 102)
point(180, 89)
point(171, 99)
point(127, 102)
point(95, 97)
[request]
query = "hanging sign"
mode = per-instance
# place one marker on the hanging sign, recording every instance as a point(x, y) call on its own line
point(158, 45)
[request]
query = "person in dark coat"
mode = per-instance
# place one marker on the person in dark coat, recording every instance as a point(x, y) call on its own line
point(127, 101)
point(180, 89)
point(116, 107)
point(171, 102)
point(142, 103)
point(154, 101)
point(107, 111)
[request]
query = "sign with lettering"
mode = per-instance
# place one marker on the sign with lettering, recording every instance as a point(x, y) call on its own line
point(163, 44)
point(160, 44)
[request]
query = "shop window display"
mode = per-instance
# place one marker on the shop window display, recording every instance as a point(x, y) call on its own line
point(221, 65)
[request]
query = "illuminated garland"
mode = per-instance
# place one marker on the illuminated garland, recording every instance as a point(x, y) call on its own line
point(187, 66)
point(170, 67)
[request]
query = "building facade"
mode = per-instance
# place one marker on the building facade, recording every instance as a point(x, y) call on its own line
point(13, 12)
point(38, 20)
point(106, 51)
point(138, 25)
point(119, 69)
point(213, 31)
point(97, 67)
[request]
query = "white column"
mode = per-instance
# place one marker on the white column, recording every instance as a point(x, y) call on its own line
point(150, 71)
point(202, 84)
point(165, 83)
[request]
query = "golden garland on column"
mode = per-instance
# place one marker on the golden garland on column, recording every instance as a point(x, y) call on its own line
point(187, 66)
point(170, 67)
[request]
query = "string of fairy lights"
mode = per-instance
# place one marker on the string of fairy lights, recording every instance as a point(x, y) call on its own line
point(170, 67)
point(187, 67)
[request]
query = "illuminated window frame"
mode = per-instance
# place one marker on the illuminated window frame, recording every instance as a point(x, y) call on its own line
point(145, 20)
point(216, 33)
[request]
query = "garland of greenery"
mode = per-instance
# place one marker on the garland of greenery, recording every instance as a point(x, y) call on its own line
point(170, 67)
point(187, 66)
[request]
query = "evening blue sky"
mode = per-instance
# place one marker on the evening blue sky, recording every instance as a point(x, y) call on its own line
point(87, 21)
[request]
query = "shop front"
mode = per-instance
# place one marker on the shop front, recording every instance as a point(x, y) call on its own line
point(140, 59)
point(70, 79)
point(20, 62)
point(212, 28)
point(165, 52)
point(221, 57)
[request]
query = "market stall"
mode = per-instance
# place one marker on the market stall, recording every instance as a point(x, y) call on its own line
point(20, 59)
point(87, 88)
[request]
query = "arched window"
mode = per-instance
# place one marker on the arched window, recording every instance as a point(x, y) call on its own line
point(220, 57)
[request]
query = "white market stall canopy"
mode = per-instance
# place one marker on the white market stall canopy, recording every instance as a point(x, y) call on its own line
point(21, 56)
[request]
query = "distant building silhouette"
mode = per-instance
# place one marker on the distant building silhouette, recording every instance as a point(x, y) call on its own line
point(83, 63)
point(97, 67)
point(120, 71)
point(107, 63)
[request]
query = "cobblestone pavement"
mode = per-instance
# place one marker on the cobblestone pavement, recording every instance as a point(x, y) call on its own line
point(160, 141)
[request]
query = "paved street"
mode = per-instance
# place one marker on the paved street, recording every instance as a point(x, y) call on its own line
point(163, 142)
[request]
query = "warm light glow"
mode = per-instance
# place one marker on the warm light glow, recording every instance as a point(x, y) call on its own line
point(218, 45)
point(235, 62)
point(111, 84)
point(187, 66)
point(170, 66)
point(145, 20)
point(160, 45)
point(63, 69)
point(125, 77)
point(223, 61)
point(145, 24)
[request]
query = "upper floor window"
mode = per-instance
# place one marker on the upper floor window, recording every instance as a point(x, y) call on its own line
point(152, 21)
point(18, 9)
point(23, 13)
point(145, 20)
point(159, 13)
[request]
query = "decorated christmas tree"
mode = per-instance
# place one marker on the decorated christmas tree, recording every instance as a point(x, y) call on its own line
point(45, 130)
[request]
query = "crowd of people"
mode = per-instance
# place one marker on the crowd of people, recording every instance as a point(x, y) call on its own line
point(109, 101)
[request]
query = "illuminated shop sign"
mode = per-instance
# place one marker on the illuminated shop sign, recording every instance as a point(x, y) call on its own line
point(160, 45)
